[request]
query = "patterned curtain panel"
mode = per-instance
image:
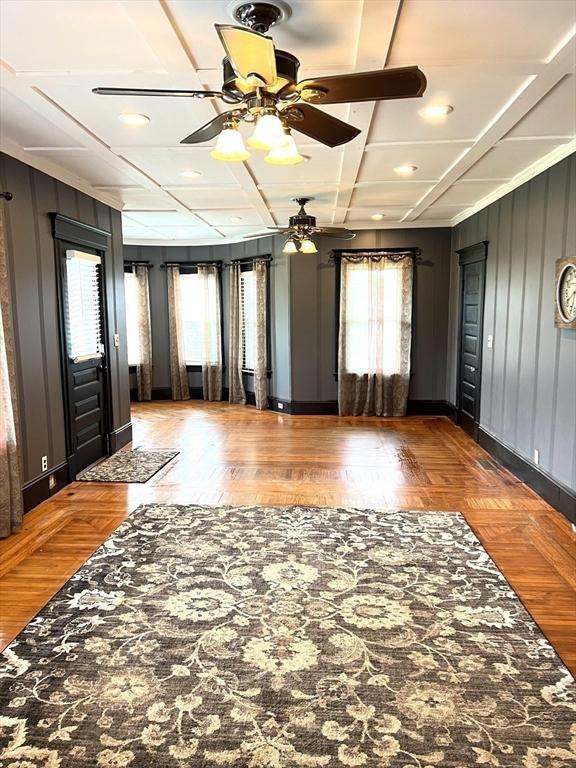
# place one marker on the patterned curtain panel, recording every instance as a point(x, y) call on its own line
point(211, 349)
point(144, 365)
point(178, 372)
point(261, 361)
point(11, 510)
point(375, 337)
point(235, 383)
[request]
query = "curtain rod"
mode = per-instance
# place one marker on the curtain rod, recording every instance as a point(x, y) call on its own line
point(189, 264)
point(396, 251)
point(136, 262)
point(251, 259)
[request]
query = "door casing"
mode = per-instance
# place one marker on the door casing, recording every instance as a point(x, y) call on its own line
point(477, 253)
point(74, 235)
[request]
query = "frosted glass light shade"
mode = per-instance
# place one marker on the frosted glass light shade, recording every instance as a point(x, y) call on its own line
point(307, 246)
point(268, 133)
point(285, 154)
point(230, 147)
point(290, 247)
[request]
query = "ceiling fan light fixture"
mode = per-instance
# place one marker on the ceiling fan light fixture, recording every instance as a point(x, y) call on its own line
point(286, 154)
point(230, 146)
point(308, 246)
point(268, 133)
point(290, 246)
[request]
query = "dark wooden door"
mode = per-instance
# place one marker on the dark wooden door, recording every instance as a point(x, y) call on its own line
point(472, 270)
point(84, 355)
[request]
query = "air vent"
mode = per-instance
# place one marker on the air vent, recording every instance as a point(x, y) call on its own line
point(487, 464)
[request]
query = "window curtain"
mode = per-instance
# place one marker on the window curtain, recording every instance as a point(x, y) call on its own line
point(178, 372)
point(235, 383)
point(144, 365)
point(11, 508)
point(211, 333)
point(261, 361)
point(375, 337)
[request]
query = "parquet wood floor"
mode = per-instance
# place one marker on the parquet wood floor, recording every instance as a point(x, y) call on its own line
point(237, 455)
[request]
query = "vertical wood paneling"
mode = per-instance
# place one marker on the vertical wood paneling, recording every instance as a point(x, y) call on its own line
point(528, 378)
point(517, 267)
point(32, 268)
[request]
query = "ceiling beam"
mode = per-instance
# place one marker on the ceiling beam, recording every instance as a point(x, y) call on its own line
point(377, 26)
point(532, 92)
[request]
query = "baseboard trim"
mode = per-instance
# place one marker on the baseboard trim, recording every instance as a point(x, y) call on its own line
point(38, 490)
point(431, 408)
point(553, 492)
point(120, 437)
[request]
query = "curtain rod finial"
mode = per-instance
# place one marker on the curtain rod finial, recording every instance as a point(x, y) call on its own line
point(7, 195)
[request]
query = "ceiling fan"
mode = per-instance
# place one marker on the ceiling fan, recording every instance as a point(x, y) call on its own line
point(262, 85)
point(302, 227)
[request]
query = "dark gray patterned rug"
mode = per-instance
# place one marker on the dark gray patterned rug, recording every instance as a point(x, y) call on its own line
point(136, 466)
point(285, 637)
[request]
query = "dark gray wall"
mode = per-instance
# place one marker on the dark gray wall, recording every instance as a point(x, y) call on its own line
point(313, 312)
point(279, 384)
point(528, 397)
point(32, 273)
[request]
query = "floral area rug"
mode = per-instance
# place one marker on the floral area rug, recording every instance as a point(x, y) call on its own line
point(136, 466)
point(285, 637)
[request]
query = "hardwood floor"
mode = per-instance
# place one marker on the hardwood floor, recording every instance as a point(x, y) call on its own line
point(237, 455)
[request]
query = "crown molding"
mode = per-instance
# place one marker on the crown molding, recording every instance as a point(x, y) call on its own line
point(541, 165)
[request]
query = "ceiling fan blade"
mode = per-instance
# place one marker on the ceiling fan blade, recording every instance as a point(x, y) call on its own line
point(208, 131)
point(341, 234)
point(319, 125)
point(252, 55)
point(400, 83)
point(156, 92)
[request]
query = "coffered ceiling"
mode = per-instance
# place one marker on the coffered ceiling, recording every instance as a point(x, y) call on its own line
point(507, 67)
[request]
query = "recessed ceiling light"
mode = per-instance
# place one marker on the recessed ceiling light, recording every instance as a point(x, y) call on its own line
point(436, 111)
point(377, 216)
point(405, 170)
point(235, 219)
point(190, 174)
point(132, 118)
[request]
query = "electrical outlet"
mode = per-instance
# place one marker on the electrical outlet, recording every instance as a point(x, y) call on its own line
point(116, 339)
point(280, 406)
point(51, 481)
point(44, 463)
point(536, 456)
point(490, 341)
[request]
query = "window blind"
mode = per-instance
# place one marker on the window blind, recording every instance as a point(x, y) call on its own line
point(248, 303)
point(198, 305)
point(83, 305)
point(132, 313)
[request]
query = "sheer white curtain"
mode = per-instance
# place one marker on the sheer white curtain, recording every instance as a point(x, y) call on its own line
point(375, 336)
point(211, 336)
point(139, 329)
point(11, 509)
point(178, 372)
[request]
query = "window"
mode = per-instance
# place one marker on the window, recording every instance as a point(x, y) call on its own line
point(200, 311)
point(83, 306)
point(131, 293)
point(249, 310)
